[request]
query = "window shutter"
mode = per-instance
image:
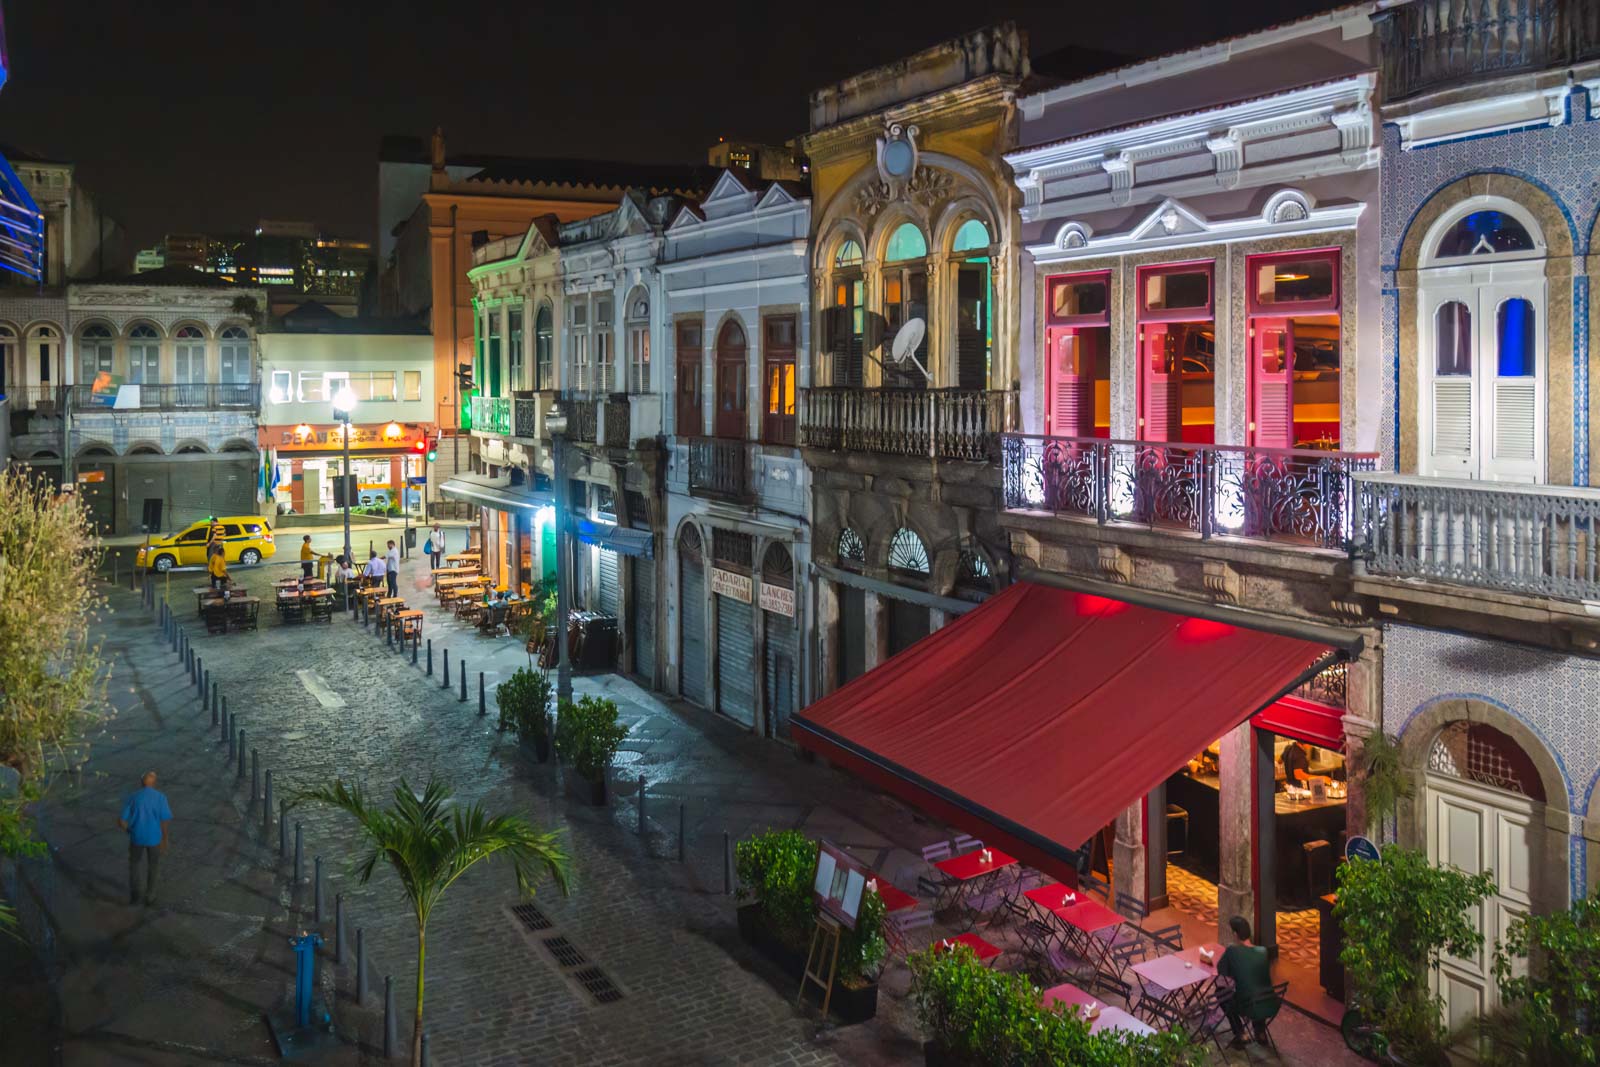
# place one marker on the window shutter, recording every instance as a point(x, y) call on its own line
point(1071, 385)
point(1514, 418)
point(1163, 388)
point(1452, 416)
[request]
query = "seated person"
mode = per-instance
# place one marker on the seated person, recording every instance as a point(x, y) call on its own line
point(1251, 973)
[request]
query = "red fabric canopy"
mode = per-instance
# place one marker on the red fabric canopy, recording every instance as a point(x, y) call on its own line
point(1037, 717)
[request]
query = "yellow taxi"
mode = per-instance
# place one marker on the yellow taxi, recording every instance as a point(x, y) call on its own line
point(246, 539)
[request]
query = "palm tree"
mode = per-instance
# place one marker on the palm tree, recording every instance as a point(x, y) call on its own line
point(430, 843)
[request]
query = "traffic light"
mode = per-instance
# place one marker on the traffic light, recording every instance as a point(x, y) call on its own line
point(433, 449)
point(420, 445)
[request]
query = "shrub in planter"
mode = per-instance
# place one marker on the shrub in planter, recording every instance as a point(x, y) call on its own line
point(1399, 915)
point(587, 736)
point(524, 703)
point(977, 1017)
point(1551, 1013)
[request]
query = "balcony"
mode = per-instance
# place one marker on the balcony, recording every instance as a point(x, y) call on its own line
point(615, 422)
point(525, 421)
point(583, 418)
point(719, 468)
point(936, 423)
point(1286, 495)
point(1534, 540)
point(492, 414)
point(190, 396)
point(1439, 44)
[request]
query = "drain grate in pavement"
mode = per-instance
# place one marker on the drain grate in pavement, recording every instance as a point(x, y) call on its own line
point(598, 986)
point(531, 917)
point(565, 952)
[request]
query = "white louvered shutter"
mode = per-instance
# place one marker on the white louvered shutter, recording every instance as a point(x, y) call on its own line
point(1452, 416)
point(1515, 419)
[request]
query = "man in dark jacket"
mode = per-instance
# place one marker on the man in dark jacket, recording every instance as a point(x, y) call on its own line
point(1251, 972)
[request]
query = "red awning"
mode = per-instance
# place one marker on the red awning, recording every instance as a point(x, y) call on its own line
point(1036, 718)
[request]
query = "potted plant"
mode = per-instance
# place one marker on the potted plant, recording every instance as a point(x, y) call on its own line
point(776, 915)
point(1399, 915)
point(1548, 1013)
point(524, 703)
point(587, 736)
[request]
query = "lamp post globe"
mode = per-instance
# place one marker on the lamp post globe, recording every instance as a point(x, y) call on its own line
point(344, 406)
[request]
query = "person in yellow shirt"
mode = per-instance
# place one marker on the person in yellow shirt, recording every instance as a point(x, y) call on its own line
point(217, 565)
point(306, 556)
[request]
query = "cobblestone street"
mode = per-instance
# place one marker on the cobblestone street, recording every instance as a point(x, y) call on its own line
point(186, 981)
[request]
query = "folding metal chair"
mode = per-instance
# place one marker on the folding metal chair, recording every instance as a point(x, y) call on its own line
point(1132, 907)
point(1090, 882)
point(934, 882)
point(1203, 1021)
point(1167, 938)
point(1121, 958)
point(1274, 998)
point(904, 924)
point(964, 843)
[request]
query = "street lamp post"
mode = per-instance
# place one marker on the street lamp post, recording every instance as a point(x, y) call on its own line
point(344, 405)
point(556, 422)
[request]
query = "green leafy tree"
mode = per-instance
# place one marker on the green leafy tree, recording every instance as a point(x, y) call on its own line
point(430, 842)
point(1399, 915)
point(1384, 781)
point(524, 703)
point(1551, 1013)
point(588, 734)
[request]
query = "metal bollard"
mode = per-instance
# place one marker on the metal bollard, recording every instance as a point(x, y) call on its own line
point(388, 630)
point(641, 805)
point(202, 677)
point(338, 928)
point(299, 853)
point(232, 743)
point(214, 686)
point(727, 865)
point(266, 806)
point(255, 775)
point(226, 723)
point(316, 890)
point(391, 1023)
point(680, 831)
point(414, 648)
point(214, 710)
point(361, 964)
point(447, 668)
point(240, 775)
point(463, 673)
point(483, 706)
point(430, 657)
point(283, 829)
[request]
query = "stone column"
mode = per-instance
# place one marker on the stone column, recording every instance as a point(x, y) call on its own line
point(1363, 716)
point(1235, 893)
point(937, 620)
point(877, 630)
point(827, 642)
point(1128, 864)
point(1156, 848)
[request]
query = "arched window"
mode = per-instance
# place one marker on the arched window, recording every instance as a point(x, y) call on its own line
point(731, 392)
point(973, 574)
point(235, 355)
point(638, 341)
point(144, 355)
point(845, 317)
point(190, 365)
point(777, 566)
point(905, 297)
point(1485, 233)
point(849, 255)
point(94, 353)
point(514, 353)
point(44, 343)
point(852, 550)
point(974, 304)
point(908, 553)
point(10, 370)
point(544, 347)
point(973, 236)
point(689, 544)
point(1476, 752)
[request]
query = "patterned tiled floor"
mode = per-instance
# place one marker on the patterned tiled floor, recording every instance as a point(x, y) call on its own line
point(1298, 931)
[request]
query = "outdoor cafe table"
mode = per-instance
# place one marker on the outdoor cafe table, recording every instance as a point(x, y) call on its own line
point(464, 557)
point(972, 875)
point(228, 608)
point(894, 898)
point(388, 604)
point(1087, 920)
point(1109, 1018)
point(980, 948)
point(1178, 977)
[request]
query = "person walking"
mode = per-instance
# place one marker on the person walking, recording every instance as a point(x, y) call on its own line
point(145, 815)
point(391, 564)
point(306, 556)
point(217, 567)
point(436, 539)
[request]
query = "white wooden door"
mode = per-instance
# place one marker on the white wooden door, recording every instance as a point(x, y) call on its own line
point(1476, 829)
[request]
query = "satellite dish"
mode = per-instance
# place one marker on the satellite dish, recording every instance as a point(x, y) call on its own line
point(906, 340)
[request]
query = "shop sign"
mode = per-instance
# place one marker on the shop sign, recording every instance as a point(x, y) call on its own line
point(91, 476)
point(333, 437)
point(731, 585)
point(417, 479)
point(777, 599)
point(1359, 847)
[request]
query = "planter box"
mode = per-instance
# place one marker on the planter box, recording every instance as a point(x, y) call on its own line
point(580, 788)
point(849, 1004)
point(535, 748)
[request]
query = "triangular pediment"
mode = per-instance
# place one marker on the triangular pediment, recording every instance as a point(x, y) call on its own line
point(729, 187)
point(1171, 218)
point(687, 218)
point(775, 196)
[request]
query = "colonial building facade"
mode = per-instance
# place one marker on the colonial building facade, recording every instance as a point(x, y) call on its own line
point(738, 547)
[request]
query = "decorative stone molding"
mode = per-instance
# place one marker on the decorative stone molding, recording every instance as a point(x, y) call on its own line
point(1355, 132)
point(1228, 152)
point(1221, 581)
point(1116, 564)
point(1120, 169)
point(1350, 608)
point(1074, 235)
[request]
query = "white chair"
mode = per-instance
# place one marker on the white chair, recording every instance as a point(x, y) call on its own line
point(939, 850)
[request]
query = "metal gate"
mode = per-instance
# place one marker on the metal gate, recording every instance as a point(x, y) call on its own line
point(643, 606)
point(692, 632)
point(608, 582)
point(782, 654)
point(908, 624)
point(736, 654)
point(852, 657)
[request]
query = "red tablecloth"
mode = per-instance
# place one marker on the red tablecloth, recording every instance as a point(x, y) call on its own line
point(1089, 916)
point(980, 948)
point(894, 898)
point(970, 865)
point(1179, 969)
point(1067, 993)
point(1049, 897)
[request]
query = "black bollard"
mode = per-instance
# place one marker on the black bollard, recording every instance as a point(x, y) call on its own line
point(266, 806)
point(255, 775)
point(483, 707)
point(283, 829)
point(226, 724)
point(361, 964)
point(338, 928)
point(641, 805)
point(430, 657)
point(391, 1024)
point(240, 775)
point(463, 673)
point(299, 853)
point(202, 677)
point(316, 890)
point(232, 743)
point(680, 831)
point(415, 645)
point(447, 668)
point(388, 630)
point(214, 710)
point(214, 693)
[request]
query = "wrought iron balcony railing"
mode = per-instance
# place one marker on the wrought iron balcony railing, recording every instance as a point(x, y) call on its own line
point(1300, 496)
point(939, 423)
point(1535, 540)
point(164, 396)
point(1436, 44)
point(492, 414)
point(719, 467)
point(583, 418)
point(617, 432)
point(525, 417)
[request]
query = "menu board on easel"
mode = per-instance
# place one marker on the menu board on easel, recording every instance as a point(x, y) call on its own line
point(839, 884)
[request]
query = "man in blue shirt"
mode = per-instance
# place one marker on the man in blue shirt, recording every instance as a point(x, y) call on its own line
point(145, 815)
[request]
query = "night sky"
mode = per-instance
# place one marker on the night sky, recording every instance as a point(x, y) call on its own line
point(207, 116)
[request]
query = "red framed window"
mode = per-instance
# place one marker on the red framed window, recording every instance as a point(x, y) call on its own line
point(1077, 337)
point(777, 349)
point(1177, 352)
point(690, 353)
point(1295, 349)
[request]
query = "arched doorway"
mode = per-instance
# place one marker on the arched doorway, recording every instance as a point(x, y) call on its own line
point(691, 616)
point(1483, 811)
point(1481, 332)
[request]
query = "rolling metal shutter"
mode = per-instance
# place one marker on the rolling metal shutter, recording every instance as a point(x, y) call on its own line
point(608, 582)
point(736, 653)
point(692, 630)
point(908, 624)
point(782, 658)
point(852, 657)
point(643, 606)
